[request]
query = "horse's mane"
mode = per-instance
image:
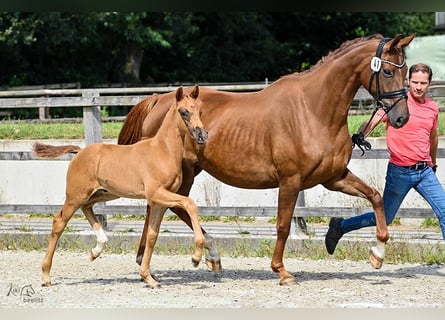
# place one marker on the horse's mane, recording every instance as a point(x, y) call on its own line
point(131, 131)
point(347, 45)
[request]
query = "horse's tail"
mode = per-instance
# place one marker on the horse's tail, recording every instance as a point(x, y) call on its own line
point(131, 131)
point(41, 150)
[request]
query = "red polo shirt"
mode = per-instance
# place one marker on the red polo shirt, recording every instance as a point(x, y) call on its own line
point(411, 143)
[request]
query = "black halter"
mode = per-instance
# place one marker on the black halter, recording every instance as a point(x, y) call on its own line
point(376, 65)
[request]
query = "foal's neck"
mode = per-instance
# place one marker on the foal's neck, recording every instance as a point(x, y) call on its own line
point(171, 129)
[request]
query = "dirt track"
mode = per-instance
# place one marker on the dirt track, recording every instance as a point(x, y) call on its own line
point(113, 281)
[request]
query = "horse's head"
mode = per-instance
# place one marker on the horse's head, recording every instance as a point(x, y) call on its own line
point(387, 79)
point(189, 108)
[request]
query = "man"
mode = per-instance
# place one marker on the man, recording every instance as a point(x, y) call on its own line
point(412, 162)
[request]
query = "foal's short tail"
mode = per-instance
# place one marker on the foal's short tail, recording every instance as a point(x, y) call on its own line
point(41, 150)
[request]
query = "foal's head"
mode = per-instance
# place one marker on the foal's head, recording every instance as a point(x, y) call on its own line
point(189, 108)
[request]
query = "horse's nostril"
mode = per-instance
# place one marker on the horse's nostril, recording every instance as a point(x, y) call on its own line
point(401, 121)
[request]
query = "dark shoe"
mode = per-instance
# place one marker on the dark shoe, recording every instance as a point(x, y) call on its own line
point(333, 235)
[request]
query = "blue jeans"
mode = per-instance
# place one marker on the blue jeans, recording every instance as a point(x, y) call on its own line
point(399, 181)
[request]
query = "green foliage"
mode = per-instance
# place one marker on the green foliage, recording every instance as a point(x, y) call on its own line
point(177, 47)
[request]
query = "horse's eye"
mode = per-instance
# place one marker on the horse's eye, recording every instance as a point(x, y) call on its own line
point(388, 73)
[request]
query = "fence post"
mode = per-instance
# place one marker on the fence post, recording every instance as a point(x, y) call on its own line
point(93, 133)
point(92, 119)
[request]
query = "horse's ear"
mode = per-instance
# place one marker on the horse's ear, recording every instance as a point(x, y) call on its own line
point(195, 92)
point(406, 41)
point(179, 94)
point(400, 42)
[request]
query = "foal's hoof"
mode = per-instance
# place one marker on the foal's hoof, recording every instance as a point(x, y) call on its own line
point(154, 286)
point(290, 281)
point(375, 260)
point(92, 256)
point(214, 265)
point(46, 284)
point(195, 262)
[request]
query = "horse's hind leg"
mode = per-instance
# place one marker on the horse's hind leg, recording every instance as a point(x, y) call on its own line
point(101, 237)
point(352, 185)
point(59, 223)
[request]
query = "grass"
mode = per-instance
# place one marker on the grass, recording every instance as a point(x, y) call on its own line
point(110, 130)
point(35, 131)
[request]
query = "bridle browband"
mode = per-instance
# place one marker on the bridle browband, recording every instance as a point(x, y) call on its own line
point(376, 65)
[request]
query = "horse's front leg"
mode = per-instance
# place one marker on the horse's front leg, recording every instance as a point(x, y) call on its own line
point(287, 199)
point(352, 185)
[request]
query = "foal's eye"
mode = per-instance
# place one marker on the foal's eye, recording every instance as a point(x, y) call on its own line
point(388, 73)
point(183, 112)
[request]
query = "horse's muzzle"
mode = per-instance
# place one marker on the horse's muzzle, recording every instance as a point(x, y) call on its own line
point(200, 135)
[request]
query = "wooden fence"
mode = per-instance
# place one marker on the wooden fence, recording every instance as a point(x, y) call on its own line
point(92, 99)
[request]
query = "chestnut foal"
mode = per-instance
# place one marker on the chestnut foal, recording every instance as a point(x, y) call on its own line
point(150, 169)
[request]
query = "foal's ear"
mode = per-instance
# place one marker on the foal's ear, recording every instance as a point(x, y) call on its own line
point(195, 92)
point(179, 94)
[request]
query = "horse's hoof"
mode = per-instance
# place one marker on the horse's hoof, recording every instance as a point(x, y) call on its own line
point(375, 260)
point(290, 281)
point(214, 265)
point(139, 260)
point(46, 284)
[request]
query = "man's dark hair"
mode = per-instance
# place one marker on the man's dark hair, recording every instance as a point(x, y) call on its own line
point(422, 68)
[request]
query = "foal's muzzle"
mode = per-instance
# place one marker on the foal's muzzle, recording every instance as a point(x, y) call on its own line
point(199, 134)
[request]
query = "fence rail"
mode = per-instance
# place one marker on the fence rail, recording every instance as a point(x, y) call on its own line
point(92, 99)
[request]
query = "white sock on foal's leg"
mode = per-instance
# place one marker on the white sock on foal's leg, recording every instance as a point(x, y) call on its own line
point(101, 241)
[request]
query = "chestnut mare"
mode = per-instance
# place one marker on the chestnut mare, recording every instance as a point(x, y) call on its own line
point(150, 169)
point(292, 134)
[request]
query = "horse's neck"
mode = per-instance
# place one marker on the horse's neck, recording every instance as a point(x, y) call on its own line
point(343, 73)
point(331, 86)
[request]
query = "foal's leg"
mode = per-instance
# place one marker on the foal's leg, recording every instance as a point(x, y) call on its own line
point(169, 199)
point(354, 186)
point(101, 237)
point(213, 259)
point(59, 223)
point(154, 223)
